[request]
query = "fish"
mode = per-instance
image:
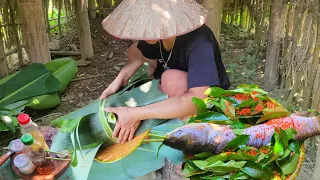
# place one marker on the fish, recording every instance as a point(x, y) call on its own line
point(208, 137)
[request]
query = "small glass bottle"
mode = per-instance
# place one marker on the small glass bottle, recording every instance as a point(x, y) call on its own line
point(35, 150)
point(23, 163)
point(27, 126)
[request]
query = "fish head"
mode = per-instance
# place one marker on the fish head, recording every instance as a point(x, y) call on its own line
point(188, 138)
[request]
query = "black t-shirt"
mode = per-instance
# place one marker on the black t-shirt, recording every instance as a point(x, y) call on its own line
point(196, 53)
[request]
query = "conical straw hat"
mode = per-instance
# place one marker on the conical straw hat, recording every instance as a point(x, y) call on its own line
point(154, 19)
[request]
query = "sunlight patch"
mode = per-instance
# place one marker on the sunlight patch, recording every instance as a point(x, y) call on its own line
point(131, 103)
point(146, 87)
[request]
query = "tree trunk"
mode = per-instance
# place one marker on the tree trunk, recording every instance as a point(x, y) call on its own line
point(274, 41)
point(13, 10)
point(92, 9)
point(59, 18)
point(34, 30)
point(4, 70)
point(83, 29)
point(214, 20)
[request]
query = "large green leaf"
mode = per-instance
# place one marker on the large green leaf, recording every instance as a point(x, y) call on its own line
point(215, 92)
point(64, 69)
point(220, 157)
point(211, 117)
point(10, 122)
point(34, 80)
point(271, 113)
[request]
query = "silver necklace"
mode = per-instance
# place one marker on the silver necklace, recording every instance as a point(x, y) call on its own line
point(162, 61)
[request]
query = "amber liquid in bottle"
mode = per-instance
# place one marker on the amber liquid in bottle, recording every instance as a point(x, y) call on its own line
point(38, 156)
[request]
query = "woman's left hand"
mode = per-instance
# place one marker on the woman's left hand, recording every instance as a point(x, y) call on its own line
point(127, 123)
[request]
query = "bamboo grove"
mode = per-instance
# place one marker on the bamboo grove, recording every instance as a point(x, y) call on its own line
point(287, 34)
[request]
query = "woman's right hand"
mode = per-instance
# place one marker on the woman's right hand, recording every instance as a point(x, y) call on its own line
point(113, 87)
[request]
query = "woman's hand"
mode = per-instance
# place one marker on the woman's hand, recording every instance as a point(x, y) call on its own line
point(114, 87)
point(127, 123)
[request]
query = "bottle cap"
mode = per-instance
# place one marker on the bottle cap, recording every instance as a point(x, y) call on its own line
point(23, 119)
point(21, 161)
point(27, 139)
point(16, 145)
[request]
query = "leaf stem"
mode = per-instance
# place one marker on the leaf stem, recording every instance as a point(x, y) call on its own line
point(154, 135)
point(60, 159)
point(57, 153)
point(153, 140)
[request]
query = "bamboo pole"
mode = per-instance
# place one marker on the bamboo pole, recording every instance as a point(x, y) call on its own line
point(92, 9)
point(4, 70)
point(83, 29)
point(59, 17)
point(66, 13)
point(34, 30)
point(13, 9)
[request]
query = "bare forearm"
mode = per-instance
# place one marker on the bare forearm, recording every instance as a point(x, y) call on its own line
point(174, 107)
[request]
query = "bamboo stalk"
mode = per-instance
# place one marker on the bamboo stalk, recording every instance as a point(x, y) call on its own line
point(59, 18)
point(59, 159)
point(4, 69)
point(67, 14)
point(154, 135)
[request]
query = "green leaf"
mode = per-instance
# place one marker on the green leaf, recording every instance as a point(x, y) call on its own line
point(236, 142)
point(246, 103)
point(238, 131)
point(255, 171)
point(44, 101)
point(285, 154)
point(227, 108)
point(243, 156)
point(64, 69)
point(9, 121)
point(289, 166)
point(34, 80)
point(272, 113)
point(3, 126)
point(69, 126)
point(200, 164)
point(215, 91)
point(200, 105)
point(278, 148)
point(221, 157)
point(239, 175)
point(203, 155)
point(294, 146)
point(291, 133)
point(211, 117)
point(221, 168)
point(238, 125)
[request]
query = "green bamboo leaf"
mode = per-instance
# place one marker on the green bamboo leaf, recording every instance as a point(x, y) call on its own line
point(243, 156)
point(291, 133)
point(64, 69)
point(278, 148)
point(34, 80)
point(289, 166)
point(236, 142)
point(239, 175)
point(215, 91)
point(203, 155)
point(294, 146)
point(200, 105)
point(227, 108)
point(70, 126)
point(238, 125)
point(255, 171)
point(74, 159)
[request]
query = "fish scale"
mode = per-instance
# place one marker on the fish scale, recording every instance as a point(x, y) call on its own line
point(206, 137)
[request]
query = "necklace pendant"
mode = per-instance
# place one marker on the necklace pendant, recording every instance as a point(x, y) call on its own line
point(165, 67)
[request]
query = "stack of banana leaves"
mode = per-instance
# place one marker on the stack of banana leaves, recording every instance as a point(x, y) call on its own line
point(37, 86)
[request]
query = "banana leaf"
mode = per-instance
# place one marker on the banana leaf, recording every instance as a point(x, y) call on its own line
point(34, 80)
point(64, 69)
point(44, 101)
point(139, 94)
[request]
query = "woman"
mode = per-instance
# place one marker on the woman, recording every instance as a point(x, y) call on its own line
point(182, 52)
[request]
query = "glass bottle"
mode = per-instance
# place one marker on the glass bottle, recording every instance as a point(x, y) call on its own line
point(35, 150)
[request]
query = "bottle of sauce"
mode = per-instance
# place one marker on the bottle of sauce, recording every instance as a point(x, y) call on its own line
point(35, 150)
point(27, 126)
